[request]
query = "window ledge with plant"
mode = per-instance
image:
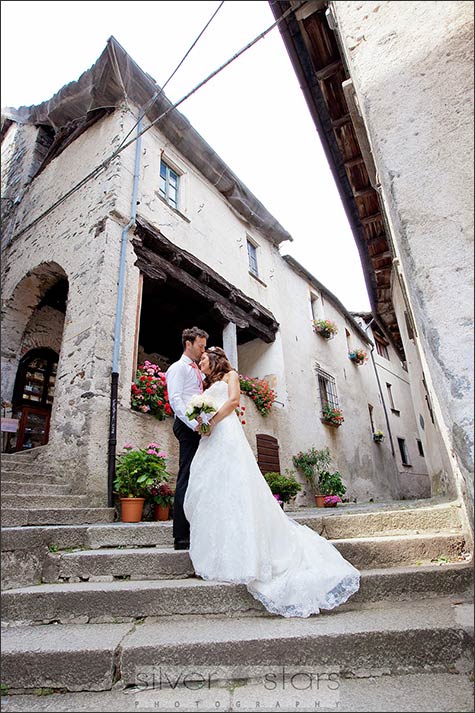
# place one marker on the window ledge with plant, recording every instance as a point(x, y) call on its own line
point(332, 416)
point(325, 328)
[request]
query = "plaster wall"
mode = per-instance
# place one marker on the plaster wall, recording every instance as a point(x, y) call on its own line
point(412, 68)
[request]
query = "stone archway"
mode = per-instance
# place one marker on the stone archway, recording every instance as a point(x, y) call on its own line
point(32, 319)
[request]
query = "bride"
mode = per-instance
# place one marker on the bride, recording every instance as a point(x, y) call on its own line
point(238, 531)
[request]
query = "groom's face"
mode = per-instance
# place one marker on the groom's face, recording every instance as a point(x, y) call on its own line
point(197, 348)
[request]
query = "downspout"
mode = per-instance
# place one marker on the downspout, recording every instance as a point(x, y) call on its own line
point(381, 392)
point(118, 328)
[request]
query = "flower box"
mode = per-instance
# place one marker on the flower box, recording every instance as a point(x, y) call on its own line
point(325, 328)
point(378, 436)
point(332, 416)
point(358, 356)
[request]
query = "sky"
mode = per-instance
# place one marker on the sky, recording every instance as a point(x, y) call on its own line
point(253, 114)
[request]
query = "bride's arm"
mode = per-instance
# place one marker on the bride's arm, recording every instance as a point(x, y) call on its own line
point(234, 393)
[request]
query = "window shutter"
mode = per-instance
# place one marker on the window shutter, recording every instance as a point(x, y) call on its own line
point(268, 453)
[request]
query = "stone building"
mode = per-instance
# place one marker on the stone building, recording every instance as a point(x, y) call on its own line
point(390, 88)
point(111, 246)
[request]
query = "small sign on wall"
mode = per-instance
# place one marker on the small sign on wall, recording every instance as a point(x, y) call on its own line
point(9, 425)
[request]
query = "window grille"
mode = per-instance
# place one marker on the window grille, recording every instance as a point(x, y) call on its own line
point(327, 388)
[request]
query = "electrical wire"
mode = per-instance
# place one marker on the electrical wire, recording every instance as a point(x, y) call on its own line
point(161, 89)
point(102, 166)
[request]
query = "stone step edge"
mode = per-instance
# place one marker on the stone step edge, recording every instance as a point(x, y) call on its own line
point(392, 637)
point(377, 585)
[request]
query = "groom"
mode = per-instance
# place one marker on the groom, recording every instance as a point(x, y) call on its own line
point(184, 380)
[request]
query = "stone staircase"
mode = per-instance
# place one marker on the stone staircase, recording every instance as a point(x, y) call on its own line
point(30, 496)
point(101, 607)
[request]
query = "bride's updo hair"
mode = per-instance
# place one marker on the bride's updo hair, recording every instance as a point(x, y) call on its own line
point(219, 365)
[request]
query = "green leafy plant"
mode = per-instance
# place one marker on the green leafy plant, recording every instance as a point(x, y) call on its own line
point(315, 464)
point(333, 415)
point(3, 689)
point(138, 469)
point(259, 391)
point(52, 547)
point(284, 485)
point(325, 328)
point(161, 493)
point(149, 391)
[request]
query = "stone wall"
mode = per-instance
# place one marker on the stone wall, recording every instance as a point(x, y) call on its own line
point(412, 68)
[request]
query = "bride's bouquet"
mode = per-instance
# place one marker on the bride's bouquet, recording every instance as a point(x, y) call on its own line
point(201, 405)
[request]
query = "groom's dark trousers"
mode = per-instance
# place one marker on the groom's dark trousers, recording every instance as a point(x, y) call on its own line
point(189, 441)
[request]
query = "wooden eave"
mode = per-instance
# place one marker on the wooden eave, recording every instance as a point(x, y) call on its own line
point(318, 62)
point(161, 260)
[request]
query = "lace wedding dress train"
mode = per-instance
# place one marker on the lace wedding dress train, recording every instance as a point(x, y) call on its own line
point(239, 533)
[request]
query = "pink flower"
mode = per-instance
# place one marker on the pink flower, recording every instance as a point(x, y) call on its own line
point(152, 451)
point(161, 454)
point(128, 447)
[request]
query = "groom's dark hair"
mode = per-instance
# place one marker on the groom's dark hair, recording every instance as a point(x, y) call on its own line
point(189, 335)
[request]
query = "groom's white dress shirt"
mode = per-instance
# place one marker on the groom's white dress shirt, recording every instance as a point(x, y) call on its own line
point(182, 384)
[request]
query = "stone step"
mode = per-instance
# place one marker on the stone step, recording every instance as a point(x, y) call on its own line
point(34, 475)
point(18, 517)
point(8, 487)
point(308, 691)
point(433, 634)
point(358, 521)
point(35, 501)
point(162, 563)
point(109, 601)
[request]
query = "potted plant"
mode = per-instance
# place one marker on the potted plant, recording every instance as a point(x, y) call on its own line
point(314, 465)
point(162, 497)
point(332, 415)
point(378, 436)
point(136, 470)
point(325, 328)
point(358, 356)
point(284, 486)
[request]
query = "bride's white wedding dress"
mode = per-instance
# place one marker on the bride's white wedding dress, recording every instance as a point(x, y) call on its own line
point(239, 532)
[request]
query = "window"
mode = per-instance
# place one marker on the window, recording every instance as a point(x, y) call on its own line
point(391, 400)
point(348, 340)
point(252, 257)
point(327, 388)
point(268, 453)
point(403, 451)
point(420, 448)
point(381, 347)
point(169, 181)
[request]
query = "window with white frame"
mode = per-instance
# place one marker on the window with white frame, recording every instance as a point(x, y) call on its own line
point(327, 388)
point(169, 182)
point(381, 346)
point(252, 257)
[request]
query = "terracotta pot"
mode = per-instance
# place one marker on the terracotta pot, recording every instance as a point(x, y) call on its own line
point(320, 501)
point(161, 512)
point(131, 509)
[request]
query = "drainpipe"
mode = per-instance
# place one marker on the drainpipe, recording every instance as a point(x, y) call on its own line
point(381, 392)
point(118, 327)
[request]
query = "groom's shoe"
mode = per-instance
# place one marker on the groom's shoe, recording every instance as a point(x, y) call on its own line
point(182, 545)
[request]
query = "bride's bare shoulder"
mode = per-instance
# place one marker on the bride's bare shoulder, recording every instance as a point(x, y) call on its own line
point(230, 375)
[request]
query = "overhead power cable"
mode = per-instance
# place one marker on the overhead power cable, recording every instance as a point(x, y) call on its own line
point(161, 89)
point(106, 162)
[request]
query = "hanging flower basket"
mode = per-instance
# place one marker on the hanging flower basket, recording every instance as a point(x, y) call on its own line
point(325, 328)
point(378, 436)
point(358, 356)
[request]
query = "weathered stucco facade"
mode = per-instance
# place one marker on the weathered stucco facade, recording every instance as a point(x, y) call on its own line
point(78, 242)
point(412, 68)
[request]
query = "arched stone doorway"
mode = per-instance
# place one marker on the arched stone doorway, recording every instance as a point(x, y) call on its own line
point(33, 397)
point(32, 333)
